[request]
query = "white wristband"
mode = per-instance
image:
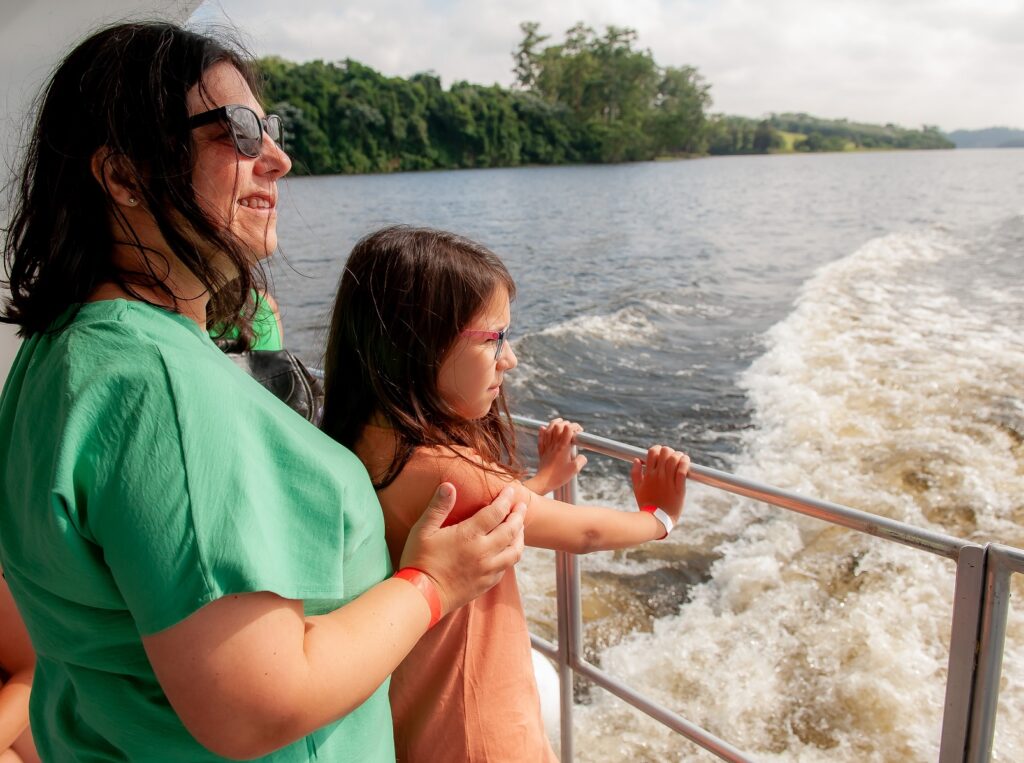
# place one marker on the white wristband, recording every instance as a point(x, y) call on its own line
point(661, 516)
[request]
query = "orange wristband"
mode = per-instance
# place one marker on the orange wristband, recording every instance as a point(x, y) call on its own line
point(662, 516)
point(425, 586)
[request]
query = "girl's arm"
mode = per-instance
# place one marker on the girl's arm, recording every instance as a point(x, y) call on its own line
point(557, 464)
point(18, 661)
point(658, 481)
point(248, 674)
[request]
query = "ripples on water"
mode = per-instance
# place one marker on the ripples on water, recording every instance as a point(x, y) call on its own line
point(846, 326)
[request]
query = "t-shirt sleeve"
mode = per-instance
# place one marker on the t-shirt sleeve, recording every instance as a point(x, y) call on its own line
point(266, 335)
point(213, 487)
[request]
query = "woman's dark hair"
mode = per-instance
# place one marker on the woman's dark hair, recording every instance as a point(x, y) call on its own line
point(123, 88)
point(405, 295)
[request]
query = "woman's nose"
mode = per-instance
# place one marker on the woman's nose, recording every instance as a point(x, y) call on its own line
point(273, 158)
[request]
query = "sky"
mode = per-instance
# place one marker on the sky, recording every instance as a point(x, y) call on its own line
point(957, 64)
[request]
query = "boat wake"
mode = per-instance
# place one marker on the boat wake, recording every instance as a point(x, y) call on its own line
point(894, 386)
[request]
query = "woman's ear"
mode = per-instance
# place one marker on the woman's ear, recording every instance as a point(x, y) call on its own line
point(112, 173)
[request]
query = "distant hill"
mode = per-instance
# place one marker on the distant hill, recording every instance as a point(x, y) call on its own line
point(842, 134)
point(990, 137)
point(788, 132)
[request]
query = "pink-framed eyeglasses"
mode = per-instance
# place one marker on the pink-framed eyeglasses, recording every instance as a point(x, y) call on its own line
point(497, 336)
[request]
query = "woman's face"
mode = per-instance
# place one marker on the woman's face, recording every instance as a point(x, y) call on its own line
point(237, 192)
point(470, 376)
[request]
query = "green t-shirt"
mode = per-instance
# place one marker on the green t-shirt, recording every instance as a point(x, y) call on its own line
point(266, 335)
point(143, 475)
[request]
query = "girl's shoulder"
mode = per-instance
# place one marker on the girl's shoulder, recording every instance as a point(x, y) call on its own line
point(376, 448)
point(408, 494)
point(448, 455)
point(446, 463)
point(476, 480)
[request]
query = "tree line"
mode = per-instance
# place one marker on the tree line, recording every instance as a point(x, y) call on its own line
point(804, 133)
point(590, 98)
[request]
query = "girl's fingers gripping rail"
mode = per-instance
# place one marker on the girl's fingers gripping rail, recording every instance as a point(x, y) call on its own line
point(659, 482)
point(557, 464)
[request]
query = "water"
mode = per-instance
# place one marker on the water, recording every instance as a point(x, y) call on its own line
point(847, 326)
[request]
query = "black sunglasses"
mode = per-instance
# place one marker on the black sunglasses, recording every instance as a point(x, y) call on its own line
point(245, 125)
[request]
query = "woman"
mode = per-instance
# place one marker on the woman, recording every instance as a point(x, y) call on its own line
point(202, 572)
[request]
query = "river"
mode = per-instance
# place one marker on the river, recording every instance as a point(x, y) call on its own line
point(849, 326)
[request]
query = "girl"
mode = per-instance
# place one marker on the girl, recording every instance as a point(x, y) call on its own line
point(414, 368)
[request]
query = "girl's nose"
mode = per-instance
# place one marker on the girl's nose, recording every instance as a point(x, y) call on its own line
point(508, 359)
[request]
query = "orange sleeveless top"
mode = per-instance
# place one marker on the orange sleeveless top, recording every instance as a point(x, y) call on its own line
point(466, 692)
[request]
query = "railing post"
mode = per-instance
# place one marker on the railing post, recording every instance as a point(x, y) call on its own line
point(570, 627)
point(963, 646)
point(990, 656)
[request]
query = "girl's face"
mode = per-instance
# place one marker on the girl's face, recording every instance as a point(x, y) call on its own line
point(470, 376)
point(237, 192)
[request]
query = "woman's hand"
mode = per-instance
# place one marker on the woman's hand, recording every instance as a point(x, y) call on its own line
point(661, 479)
point(557, 464)
point(467, 558)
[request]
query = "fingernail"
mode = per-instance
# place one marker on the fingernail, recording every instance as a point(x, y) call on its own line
point(445, 491)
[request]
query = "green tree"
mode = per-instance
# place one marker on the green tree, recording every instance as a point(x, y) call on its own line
point(817, 141)
point(766, 138)
point(730, 135)
point(677, 124)
point(592, 97)
point(620, 104)
point(304, 141)
point(525, 55)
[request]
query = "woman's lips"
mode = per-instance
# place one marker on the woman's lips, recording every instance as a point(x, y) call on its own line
point(257, 202)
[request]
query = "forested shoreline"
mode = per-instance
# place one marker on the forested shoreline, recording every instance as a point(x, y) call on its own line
point(592, 98)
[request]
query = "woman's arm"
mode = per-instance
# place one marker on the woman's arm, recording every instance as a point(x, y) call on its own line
point(17, 659)
point(248, 674)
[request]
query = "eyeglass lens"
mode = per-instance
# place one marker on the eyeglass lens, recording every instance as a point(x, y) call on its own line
point(248, 131)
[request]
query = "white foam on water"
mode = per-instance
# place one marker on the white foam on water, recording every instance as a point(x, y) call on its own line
point(884, 392)
point(695, 307)
point(628, 326)
point(526, 375)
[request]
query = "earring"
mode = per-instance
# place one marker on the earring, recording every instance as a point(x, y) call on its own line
point(132, 201)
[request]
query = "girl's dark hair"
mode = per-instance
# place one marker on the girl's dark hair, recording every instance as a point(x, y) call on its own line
point(404, 297)
point(123, 88)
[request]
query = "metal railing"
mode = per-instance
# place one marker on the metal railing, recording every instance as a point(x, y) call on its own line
point(978, 631)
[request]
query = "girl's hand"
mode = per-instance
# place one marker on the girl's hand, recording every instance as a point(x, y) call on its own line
point(661, 480)
point(557, 464)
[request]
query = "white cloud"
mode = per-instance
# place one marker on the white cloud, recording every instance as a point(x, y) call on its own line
point(955, 63)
